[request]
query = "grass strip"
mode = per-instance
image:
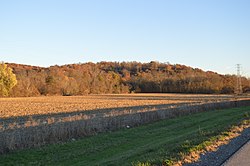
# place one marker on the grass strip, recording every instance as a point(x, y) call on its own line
point(166, 141)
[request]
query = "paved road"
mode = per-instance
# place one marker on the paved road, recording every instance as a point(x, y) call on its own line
point(240, 158)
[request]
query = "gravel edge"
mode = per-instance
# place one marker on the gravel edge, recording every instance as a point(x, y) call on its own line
point(224, 152)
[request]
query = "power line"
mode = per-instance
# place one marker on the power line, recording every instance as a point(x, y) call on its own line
point(238, 88)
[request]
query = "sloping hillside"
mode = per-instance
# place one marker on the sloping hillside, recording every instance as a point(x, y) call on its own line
point(115, 77)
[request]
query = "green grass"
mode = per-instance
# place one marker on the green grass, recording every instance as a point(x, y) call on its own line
point(149, 144)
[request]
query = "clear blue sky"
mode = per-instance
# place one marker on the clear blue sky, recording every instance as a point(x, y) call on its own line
point(208, 34)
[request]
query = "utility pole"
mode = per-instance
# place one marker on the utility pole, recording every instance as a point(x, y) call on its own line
point(238, 88)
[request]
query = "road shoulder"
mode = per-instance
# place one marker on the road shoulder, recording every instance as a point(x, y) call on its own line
point(241, 157)
point(224, 152)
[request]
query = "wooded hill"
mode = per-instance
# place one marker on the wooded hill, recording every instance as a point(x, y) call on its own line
point(116, 77)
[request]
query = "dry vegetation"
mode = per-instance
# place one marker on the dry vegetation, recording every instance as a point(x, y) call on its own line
point(36, 121)
point(14, 107)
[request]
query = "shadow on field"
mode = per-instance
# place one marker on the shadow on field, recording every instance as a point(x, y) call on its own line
point(173, 97)
point(34, 131)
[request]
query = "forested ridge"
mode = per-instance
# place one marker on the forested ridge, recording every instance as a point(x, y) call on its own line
point(120, 77)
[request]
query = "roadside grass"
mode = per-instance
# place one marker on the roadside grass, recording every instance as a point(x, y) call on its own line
point(161, 142)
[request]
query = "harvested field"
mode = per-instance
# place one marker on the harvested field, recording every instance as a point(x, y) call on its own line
point(15, 107)
point(33, 122)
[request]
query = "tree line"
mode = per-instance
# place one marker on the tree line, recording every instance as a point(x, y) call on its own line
point(119, 77)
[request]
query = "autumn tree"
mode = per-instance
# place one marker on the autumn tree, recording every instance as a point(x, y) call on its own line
point(116, 77)
point(7, 79)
